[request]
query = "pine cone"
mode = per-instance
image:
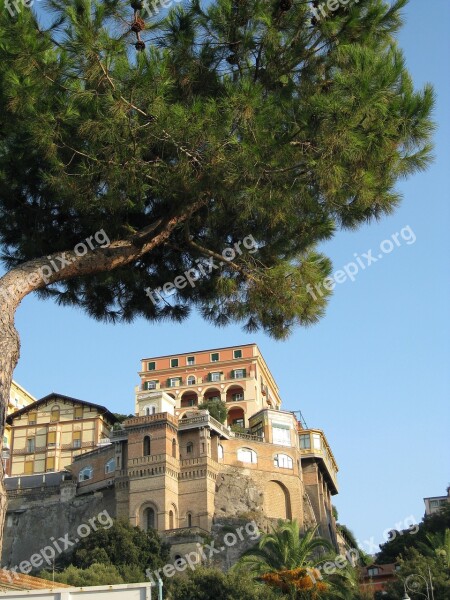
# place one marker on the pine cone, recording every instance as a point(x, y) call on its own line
point(138, 25)
point(140, 45)
point(137, 4)
point(233, 59)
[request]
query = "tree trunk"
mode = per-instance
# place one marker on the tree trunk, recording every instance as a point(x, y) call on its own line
point(28, 277)
point(9, 355)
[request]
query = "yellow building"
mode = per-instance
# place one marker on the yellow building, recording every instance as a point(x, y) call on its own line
point(18, 398)
point(48, 434)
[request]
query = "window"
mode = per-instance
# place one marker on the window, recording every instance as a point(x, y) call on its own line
point(238, 374)
point(147, 446)
point(281, 435)
point(149, 518)
point(50, 463)
point(247, 455)
point(32, 418)
point(29, 467)
point(51, 438)
point(434, 503)
point(317, 442)
point(30, 445)
point(214, 376)
point(174, 362)
point(237, 353)
point(151, 366)
point(171, 519)
point(215, 357)
point(190, 448)
point(174, 382)
point(220, 451)
point(305, 441)
point(238, 396)
point(373, 571)
point(191, 380)
point(86, 474)
point(55, 414)
point(189, 520)
point(214, 399)
point(239, 422)
point(283, 461)
point(78, 412)
point(110, 466)
point(190, 360)
point(150, 410)
point(76, 439)
point(151, 385)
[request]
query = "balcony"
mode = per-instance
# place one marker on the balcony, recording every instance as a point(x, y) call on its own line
point(204, 420)
point(313, 444)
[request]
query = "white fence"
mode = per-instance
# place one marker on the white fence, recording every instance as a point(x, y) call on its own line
point(132, 591)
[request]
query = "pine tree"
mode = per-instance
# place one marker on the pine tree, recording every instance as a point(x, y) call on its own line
point(176, 138)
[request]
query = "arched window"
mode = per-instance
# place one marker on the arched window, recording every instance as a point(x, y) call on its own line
point(149, 518)
point(150, 410)
point(86, 474)
point(220, 451)
point(191, 380)
point(110, 466)
point(189, 519)
point(190, 448)
point(55, 414)
point(174, 448)
point(247, 455)
point(171, 520)
point(283, 461)
point(147, 446)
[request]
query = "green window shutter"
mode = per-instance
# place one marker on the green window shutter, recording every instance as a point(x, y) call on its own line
point(245, 372)
point(168, 383)
point(209, 376)
point(232, 374)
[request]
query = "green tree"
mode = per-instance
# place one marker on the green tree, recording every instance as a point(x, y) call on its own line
point(95, 574)
point(285, 548)
point(217, 409)
point(129, 549)
point(238, 125)
point(212, 584)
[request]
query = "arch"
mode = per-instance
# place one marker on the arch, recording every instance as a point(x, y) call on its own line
point(190, 448)
point(277, 501)
point(220, 452)
point(283, 461)
point(147, 446)
point(189, 519)
point(171, 520)
point(150, 409)
point(247, 455)
point(211, 393)
point(235, 393)
point(189, 399)
point(236, 416)
point(190, 380)
point(86, 473)
point(110, 466)
point(55, 414)
point(174, 448)
point(149, 518)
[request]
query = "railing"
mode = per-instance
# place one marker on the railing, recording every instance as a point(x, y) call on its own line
point(206, 420)
point(247, 436)
point(150, 419)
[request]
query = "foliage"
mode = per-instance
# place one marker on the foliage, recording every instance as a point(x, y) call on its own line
point(217, 409)
point(238, 120)
point(413, 563)
point(402, 541)
point(121, 418)
point(285, 549)
point(129, 549)
point(297, 583)
point(212, 584)
point(95, 574)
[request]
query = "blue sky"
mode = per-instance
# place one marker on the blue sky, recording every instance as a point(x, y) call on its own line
point(373, 374)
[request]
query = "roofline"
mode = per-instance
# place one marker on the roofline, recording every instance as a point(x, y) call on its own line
point(24, 390)
point(34, 405)
point(204, 350)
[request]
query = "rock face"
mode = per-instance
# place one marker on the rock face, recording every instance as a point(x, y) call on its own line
point(38, 521)
point(238, 495)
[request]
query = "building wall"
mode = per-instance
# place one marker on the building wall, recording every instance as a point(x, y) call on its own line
point(71, 434)
point(18, 398)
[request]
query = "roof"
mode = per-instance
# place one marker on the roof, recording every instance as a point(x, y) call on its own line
point(200, 351)
point(53, 395)
point(10, 580)
point(387, 569)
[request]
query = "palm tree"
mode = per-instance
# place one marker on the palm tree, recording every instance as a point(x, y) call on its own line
point(285, 548)
point(437, 544)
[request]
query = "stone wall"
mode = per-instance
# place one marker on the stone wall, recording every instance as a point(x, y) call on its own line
point(34, 517)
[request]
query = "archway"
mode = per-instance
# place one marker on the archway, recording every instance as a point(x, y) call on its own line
point(277, 501)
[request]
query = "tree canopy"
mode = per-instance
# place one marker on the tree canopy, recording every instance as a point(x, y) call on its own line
point(229, 120)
